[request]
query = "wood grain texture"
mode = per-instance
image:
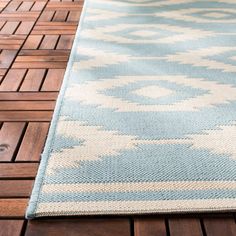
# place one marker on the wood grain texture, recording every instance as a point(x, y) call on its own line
point(10, 135)
point(15, 188)
point(11, 227)
point(13, 207)
point(185, 227)
point(26, 116)
point(220, 226)
point(27, 105)
point(50, 96)
point(81, 227)
point(18, 170)
point(33, 142)
point(33, 80)
point(53, 80)
point(149, 226)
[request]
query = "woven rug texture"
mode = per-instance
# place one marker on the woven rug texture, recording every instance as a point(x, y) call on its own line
point(146, 118)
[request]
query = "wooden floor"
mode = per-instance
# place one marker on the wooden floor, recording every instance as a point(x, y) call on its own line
point(35, 41)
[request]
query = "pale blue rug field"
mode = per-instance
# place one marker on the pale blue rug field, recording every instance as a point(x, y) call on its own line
point(146, 117)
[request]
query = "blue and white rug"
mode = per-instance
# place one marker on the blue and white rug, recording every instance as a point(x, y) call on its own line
point(146, 118)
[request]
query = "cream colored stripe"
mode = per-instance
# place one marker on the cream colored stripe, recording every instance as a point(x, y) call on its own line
point(127, 207)
point(154, 186)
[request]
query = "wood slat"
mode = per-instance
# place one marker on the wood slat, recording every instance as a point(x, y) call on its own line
point(26, 115)
point(33, 42)
point(11, 41)
point(12, 80)
point(38, 6)
point(25, 6)
point(65, 5)
point(185, 227)
point(13, 207)
point(75, 227)
point(18, 16)
point(15, 188)
point(25, 27)
point(6, 58)
point(220, 226)
point(60, 16)
point(33, 142)
point(18, 170)
point(27, 105)
point(46, 16)
point(31, 59)
point(49, 42)
point(74, 16)
point(9, 27)
point(53, 80)
point(65, 42)
point(12, 6)
point(149, 227)
point(40, 65)
point(33, 80)
point(24, 96)
point(11, 227)
point(10, 135)
point(44, 53)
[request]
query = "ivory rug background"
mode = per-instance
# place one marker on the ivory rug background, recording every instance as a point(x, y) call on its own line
point(146, 117)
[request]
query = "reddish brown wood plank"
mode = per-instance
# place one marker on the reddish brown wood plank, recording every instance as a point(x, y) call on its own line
point(3, 4)
point(81, 227)
point(149, 226)
point(37, 59)
point(33, 42)
point(27, 105)
point(49, 42)
point(33, 80)
point(52, 28)
point(53, 80)
point(12, 6)
point(13, 207)
point(32, 144)
point(185, 227)
point(24, 96)
point(40, 65)
point(60, 16)
point(46, 16)
point(65, 5)
point(220, 226)
point(15, 188)
point(25, 27)
point(25, 6)
point(44, 53)
point(38, 6)
point(10, 135)
point(11, 41)
point(6, 58)
point(65, 42)
point(11, 227)
point(12, 80)
point(18, 16)
point(18, 170)
point(3, 72)
point(74, 16)
point(9, 27)
point(26, 115)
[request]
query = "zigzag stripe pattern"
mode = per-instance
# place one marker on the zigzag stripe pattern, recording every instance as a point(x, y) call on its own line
point(146, 119)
